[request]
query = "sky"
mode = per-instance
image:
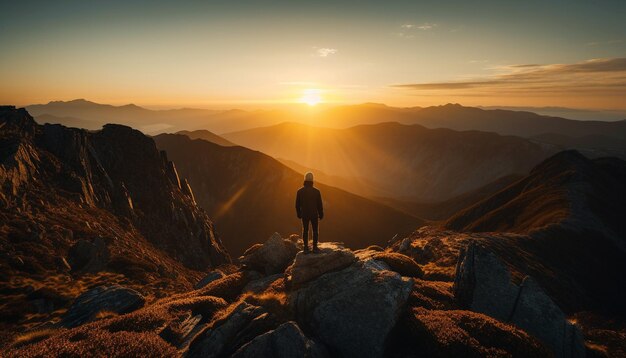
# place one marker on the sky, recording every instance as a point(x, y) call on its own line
point(265, 53)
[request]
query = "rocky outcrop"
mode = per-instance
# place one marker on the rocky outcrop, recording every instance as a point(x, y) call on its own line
point(115, 299)
point(352, 310)
point(240, 326)
point(271, 257)
point(114, 178)
point(307, 267)
point(483, 284)
point(286, 341)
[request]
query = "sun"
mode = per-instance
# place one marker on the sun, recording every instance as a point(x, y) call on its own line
point(311, 96)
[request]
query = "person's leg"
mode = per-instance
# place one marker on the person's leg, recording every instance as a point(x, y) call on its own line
point(305, 233)
point(315, 225)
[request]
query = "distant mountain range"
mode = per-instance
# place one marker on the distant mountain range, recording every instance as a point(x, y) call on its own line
point(250, 195)
point(453, 116)
point(405, 162)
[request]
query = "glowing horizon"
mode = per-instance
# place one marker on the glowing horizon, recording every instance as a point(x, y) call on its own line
point(403, 54)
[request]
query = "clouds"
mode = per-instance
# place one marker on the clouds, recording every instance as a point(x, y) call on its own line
point(603, 76)
point(326, 51)
point(410, 30)
point(424, 27)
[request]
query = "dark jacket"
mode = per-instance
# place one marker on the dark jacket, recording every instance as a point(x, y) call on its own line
point(309, 202)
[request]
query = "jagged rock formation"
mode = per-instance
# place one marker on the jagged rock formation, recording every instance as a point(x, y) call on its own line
point(483, 284)
point(93, 208)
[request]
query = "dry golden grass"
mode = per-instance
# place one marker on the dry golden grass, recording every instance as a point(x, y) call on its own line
point(133, 334)
point(469, 334)
point(32, 337)
point(400, 263)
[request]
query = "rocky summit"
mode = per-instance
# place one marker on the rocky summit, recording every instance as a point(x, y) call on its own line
point(106, 252)
point(334, 303)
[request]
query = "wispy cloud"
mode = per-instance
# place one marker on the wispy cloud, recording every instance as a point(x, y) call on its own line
point(409, 30)
point(423, 27)
point(326, 51)
point(596, 76)
point(609, 42)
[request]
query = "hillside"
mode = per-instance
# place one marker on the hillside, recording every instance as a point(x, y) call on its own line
point(250, 195)
point(207, 136)
point(567, 216)
point(405, 162)
point(445, 209)
point(82, 208)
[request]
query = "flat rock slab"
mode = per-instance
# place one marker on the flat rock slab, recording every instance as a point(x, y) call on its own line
point(307, 267)
point(115, 298)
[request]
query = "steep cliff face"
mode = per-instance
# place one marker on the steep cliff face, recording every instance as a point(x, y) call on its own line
point(116, 173)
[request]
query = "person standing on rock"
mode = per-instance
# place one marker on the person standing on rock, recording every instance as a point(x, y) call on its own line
point(309, 208)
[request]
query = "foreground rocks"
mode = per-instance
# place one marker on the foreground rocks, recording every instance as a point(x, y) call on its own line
point(335, 303)
point(307, 267)
point(483, 284)
point(271, 257)
point(286, 341)
point(353, 310)
point(109, 299)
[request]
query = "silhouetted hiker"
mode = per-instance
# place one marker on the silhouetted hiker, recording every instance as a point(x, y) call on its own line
point(309, 208)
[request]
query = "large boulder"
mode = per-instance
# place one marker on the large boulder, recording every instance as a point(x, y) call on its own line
point(115, 298)
point(353, 310)
point(286, 341)
point(306, 267)
point(271, 257)
point(483, 284)
point(225, 336)
point(536, 313)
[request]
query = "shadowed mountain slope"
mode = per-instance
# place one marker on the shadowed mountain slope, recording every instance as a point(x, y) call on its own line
point(445, 209)
point(79, 208)
point(251, 195)
point(566, 225)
